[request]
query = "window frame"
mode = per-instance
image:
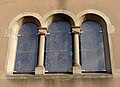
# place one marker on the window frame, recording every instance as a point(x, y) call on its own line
point(106, 38)
point(105, 42)
point(71, 50)
point(58, 17)
point(36, 25)
point(11, 32)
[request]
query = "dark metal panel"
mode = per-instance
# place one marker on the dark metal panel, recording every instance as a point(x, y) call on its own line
point(59, 50)
point(27, 49)
point(92, 48)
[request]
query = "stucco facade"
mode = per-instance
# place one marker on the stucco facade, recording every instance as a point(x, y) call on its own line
point(12, 10)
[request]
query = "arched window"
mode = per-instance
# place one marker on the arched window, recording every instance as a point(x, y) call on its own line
point(61, 44)
point(59, 48)
point(27, 48)
point(94, 47)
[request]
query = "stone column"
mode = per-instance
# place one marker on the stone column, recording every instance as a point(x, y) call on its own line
point(76, 67)
point(40, 68)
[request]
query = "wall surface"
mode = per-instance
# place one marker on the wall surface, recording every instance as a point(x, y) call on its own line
point(11, 8)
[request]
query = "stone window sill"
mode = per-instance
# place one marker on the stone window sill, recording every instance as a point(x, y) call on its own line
point(60, 76)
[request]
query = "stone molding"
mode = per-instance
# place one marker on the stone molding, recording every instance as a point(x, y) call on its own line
point(13, 29)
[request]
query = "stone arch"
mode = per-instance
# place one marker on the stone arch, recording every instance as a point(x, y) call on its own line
point(12, 33)
point(59, 17)
point(19, 18)
point(80, 17)
point(100, 17)
point(47, 18)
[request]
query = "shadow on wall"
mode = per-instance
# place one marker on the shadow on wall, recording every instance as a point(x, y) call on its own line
point(61, 4)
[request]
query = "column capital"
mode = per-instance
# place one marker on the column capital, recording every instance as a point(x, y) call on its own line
point(42, 30)
point(76, 29)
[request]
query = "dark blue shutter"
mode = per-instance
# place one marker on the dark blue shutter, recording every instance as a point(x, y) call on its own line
point(27, 49)
point(59, 49)
point(92, 47)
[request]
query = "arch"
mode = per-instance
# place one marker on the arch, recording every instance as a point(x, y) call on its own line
point(59, 47)
point(48, 16)
point(19, 18)
point(27, 48)
point(81, 15)
point(92, 47)
point(12, 33)
point(108, 28)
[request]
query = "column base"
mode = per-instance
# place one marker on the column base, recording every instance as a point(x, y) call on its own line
point(77, 69)
point(40, 70)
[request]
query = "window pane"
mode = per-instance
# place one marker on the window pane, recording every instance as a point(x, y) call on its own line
point(59, 51)
point(27, 48)
point(92, 49)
